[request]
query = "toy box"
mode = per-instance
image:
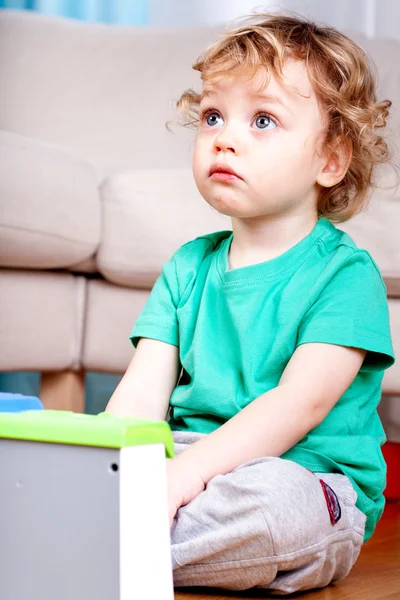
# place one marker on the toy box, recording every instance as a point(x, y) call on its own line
point(83, 512)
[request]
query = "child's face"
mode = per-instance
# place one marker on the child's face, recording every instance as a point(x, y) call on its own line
point(276, 161)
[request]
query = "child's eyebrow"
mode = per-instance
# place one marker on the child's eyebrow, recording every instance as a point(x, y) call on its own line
point(262, 96)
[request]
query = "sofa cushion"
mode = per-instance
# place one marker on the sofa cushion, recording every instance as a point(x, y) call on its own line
point(104, 92)
point(50, 210)
point(389, 412)
point(376, 229)
point(42, 320)
point(391, 380)
point(111, 313)
point(147, 215)
point(88, 265)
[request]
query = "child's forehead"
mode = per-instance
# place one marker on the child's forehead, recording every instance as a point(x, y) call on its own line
point(294, 86)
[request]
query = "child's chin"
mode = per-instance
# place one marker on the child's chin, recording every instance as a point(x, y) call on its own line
point(227, 206)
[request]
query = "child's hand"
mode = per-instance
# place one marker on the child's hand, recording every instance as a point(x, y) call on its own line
point(183, 484)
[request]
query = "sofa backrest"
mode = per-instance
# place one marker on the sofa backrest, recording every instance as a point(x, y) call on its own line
point(103, 92)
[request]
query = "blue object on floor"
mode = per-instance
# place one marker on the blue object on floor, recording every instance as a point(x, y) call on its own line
point(18, 402)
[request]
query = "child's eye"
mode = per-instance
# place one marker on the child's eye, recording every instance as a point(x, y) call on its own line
point(262, 121)
point(211, 116)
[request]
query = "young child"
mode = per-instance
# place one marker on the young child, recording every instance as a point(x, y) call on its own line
point(269, 343)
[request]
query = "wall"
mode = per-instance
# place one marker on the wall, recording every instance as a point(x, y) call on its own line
point(372, 17)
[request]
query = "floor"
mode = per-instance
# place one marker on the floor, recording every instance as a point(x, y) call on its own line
point(376, 575)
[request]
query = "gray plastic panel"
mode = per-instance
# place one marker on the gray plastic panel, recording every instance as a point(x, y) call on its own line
point(59, 522)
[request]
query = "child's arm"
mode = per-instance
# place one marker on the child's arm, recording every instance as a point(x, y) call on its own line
point(145, 389)
point(315, 378)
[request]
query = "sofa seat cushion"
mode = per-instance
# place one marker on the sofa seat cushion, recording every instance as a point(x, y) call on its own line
point(147, 215)
point(391, 380)
point(111, 313)
point(50, 209)
point(376, 229)
point(42, 320)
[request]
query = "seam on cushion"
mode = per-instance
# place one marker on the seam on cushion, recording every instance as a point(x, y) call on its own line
point(53, 235)
point(81, 318)
point(112, 273)
point(123, 270)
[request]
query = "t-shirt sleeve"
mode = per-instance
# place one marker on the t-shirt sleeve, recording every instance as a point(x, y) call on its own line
point(352, 310)
point(158, 319)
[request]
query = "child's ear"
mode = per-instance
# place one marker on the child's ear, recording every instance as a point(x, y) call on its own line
point(335, 163)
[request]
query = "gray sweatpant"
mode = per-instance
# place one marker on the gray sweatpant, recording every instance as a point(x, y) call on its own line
point(266, 525)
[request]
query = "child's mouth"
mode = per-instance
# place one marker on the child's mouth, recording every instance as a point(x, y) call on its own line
point(224, 176)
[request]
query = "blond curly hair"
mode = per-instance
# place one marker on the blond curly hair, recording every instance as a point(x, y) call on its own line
point(344, 79)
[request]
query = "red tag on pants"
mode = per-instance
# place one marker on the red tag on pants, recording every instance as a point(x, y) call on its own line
point(332, 502)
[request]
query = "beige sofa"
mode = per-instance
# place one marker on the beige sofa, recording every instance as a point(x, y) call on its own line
point(96, 193)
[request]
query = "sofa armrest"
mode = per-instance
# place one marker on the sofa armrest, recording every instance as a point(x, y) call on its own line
point(49, 205)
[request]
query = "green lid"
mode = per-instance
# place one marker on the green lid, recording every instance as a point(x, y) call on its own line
point(104, 430)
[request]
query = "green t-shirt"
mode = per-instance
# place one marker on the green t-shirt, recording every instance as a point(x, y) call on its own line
point(237, 329)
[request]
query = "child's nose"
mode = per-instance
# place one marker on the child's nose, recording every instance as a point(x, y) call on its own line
point(225, 142)
point(224, 148)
